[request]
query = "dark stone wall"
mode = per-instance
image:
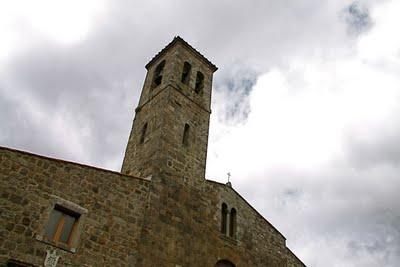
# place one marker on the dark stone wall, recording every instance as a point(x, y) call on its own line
point(115, 205)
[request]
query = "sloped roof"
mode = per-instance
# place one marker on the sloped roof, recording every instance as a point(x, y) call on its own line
point(245, 201)
point(188, 46)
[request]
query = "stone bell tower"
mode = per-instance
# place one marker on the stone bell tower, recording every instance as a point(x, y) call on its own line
point(170, 130)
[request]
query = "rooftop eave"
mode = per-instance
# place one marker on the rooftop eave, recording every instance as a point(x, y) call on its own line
point(188, 46)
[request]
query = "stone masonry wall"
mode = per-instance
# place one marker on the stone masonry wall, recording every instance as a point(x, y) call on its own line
point(182, 224)
point(183, 229)
point(142, 159)
point(253, 233)
point(130, 221)
point(186, 163)
point(167, 108)
point(115, 206)
point(174, 61)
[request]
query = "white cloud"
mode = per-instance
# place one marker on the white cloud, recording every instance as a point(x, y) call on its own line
point(63, 21)
point(294, 153)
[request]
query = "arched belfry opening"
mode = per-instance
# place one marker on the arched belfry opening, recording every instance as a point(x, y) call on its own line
point(175, 102)
point(186, 73)
point(158, 74)
point(224, 263)
point(199, 82)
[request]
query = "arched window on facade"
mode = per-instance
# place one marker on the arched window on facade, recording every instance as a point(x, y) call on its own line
point(224, 218)
point(186, 73)
point(199, 82)
point(232, 223)
point(185, 138)
point(158, 74)
point(143, 133)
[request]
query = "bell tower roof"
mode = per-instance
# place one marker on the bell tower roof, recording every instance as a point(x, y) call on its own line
point(178, 39)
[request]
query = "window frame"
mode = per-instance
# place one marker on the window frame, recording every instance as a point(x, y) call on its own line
point(61, 225)
point(228, 223)
point(68, 208)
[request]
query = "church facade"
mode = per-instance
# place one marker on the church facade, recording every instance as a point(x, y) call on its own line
point(158, 211)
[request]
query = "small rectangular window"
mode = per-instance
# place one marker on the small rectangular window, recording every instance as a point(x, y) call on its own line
point(61, 224)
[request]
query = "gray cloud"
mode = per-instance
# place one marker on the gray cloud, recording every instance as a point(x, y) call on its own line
point(97, 81)
point(383, 150)
point(236, 84)
point(357, 18)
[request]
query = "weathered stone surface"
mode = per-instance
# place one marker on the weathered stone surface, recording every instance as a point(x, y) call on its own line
point(27, 201)
point(171, 217)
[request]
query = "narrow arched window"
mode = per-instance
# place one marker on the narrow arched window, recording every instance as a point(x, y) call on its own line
point(224, 217)
point(158, 74)
point(199, 82)
point(186, 73)
point(185, 138)
point(143, 134)
point(232, 223)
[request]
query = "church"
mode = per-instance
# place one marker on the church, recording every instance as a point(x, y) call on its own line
point(158, 211)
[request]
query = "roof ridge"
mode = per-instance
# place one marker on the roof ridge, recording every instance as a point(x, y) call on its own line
point(174, 41)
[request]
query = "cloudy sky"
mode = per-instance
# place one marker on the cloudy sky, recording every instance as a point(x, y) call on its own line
point(306, 103)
